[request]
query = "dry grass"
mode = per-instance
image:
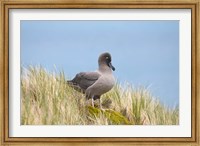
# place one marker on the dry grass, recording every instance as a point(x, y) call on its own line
point(47, 100)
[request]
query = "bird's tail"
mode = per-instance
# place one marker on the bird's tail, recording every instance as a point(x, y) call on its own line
point(75, 86)
point(70, 82)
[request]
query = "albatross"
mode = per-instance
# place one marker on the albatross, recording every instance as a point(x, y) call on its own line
point(94, 84)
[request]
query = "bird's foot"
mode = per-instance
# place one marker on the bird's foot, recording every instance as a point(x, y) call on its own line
point(102, 109)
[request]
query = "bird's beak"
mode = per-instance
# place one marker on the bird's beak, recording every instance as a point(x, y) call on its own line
point(111, 66)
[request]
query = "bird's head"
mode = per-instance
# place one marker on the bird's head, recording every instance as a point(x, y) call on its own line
point(105, 60)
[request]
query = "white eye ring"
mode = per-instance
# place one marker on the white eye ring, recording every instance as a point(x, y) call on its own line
point(107, 57)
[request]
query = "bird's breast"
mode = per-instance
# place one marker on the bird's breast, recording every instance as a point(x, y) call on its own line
point(108, 81)
point(104, 84)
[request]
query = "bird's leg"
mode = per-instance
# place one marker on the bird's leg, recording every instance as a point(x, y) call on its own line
point(92, 101)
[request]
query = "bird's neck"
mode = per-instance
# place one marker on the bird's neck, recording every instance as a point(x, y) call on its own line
point(104, 68)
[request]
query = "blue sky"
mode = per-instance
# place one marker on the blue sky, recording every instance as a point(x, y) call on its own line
point(144, 53)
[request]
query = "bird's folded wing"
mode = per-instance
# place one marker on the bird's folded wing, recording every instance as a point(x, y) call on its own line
point(85, 79)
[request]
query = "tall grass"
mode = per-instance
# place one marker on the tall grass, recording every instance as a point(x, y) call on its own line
point(47, 99)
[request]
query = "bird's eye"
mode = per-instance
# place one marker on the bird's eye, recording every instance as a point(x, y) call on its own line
point(107, 57)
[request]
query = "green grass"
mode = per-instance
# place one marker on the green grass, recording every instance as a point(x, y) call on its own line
point(46, 99)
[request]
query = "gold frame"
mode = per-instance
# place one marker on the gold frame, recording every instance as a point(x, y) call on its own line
point(182, 4)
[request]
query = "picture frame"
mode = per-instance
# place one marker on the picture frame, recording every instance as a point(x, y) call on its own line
point(102, 4)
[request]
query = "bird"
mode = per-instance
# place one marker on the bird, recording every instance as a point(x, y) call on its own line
point(96, 83)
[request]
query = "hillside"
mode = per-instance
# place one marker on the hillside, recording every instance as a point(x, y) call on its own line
point(46, 99)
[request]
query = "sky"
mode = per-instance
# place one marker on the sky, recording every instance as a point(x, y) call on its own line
point(144, 53)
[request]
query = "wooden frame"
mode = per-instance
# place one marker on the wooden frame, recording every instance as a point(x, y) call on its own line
point(6, 5)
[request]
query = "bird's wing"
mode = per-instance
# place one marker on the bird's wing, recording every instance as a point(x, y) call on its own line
point(84, 79)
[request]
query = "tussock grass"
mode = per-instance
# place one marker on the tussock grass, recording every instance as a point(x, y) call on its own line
point(46, 99)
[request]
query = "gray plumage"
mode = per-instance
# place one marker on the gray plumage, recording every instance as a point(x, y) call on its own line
point(94, 84)
point(83, 80)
